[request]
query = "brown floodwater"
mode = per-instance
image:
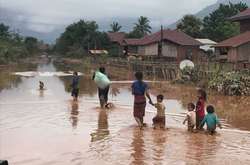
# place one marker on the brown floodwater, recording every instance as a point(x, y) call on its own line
point(41, 128)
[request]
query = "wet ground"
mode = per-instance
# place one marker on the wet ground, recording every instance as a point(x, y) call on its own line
point(46, 127)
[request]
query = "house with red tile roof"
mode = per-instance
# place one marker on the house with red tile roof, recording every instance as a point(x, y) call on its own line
point(117, 39)
point(170, 44)
point(131, 46)
point(237, 48)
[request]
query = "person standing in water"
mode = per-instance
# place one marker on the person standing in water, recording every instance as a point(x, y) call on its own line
point(41, 85)
point(211, 120)
point(139, 90)
point(200, 108)
point(159, 119)
point(75, 86)
point(102, 93)
point(191, 117)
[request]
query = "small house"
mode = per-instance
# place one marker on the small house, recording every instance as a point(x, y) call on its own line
point(244, 19)
point(131, 46)
point(235, 49)
point(169, 44)
point(116, 38)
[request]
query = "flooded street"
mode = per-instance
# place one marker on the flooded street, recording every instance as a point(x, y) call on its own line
point(46, 127)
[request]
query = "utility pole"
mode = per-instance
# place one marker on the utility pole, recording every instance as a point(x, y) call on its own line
point(160, 43)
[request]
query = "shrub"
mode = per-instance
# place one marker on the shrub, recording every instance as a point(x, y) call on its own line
point(232, 83)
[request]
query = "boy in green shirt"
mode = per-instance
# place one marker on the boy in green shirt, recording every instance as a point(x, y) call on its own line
point(211, 120)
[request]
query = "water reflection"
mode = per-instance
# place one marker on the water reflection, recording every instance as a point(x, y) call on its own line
point(114, 91)
point(138, 147)
point(74, 113)
point(159, 141)
point(8, 81)
point(200, 148)
point(41, 93)
point(86, 85)
point(102, 127)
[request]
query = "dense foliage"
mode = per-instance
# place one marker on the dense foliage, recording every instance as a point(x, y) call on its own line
point(188, 75)
point(191, 25)
point(14, 47)
point(80, 37)
point(216, 25)
point(141, 28)
point(228, 83)
point(232, 83)
point(115, 27)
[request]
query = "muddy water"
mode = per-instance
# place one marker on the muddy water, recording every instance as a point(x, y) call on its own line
point(38, 128)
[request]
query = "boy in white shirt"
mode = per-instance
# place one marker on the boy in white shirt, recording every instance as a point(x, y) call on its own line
point(191, 117)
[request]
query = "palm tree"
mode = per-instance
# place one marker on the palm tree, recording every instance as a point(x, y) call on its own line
point(142, 26)
point(115, 27)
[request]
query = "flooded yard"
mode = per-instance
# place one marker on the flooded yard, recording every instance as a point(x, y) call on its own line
point(46, 127)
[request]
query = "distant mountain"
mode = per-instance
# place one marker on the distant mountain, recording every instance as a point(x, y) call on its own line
point(19, 21)
point(209, 9)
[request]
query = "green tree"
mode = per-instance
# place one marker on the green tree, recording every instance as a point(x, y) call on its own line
point(4, 31)
point(217, 26)
point(31, 44)
point(82, 35)
point(141, 28)
point(13, 47)
point(77, 35)
point(115, 27)
point(191, 25)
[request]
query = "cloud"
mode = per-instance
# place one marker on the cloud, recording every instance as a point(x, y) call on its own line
point(41, 28)
point(46, 15)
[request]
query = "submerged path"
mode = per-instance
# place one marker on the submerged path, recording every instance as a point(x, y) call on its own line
point(38, 128)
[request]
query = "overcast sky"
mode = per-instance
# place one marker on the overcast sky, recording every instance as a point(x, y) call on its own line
point(46, 15)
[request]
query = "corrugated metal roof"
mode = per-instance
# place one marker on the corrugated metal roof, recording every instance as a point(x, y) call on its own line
point(98, 52)
point(235, 41)
point(206, 41)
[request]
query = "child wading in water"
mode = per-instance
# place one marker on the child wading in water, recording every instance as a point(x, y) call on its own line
point(75, 86)
point(200, 108)
point(41, 85)
point(191, 117)
point(211, 120)
point(159, 119)
point(139, 90)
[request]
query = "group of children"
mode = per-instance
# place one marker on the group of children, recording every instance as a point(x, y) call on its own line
point(196, 117)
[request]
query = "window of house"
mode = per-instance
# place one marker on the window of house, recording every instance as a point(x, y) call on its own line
point(189, 54)
point(223, 51)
